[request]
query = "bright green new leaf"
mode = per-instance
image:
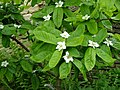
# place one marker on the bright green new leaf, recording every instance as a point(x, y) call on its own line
point(64, 70)
point(117, 36)
point(75, 41)
point(45, 37)
point(117, 4)
point(26, 65)
point(35, 82)
point(106, 49)
point(90, 58)
point(104, 56)
point(58, 16)
point(101, 35)
point(81, 67)
point(55, 58)
point(78, 31)
point(92, 26)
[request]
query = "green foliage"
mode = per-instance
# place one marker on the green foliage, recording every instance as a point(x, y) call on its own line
point(38, 62)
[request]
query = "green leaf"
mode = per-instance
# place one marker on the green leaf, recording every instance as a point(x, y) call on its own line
point(106, 23)
point(117, 4)
point(2, 73)
point(90, 58)
point(45, 37)
point(81, 67)
point(55, 58)
point(35, 82)
point(106, 49)
point(101, 35)
point(117, 17)
point(26, 66)
point(117, 36)
point(5, 41)
point(9, 75)
point(58, 16)
point(41, 56)
point(74, 52)
point(104, 56)
point(72, 2)
point(68, 13)
point(9, 30)
point(75, 41)
point(78, 31)
point(92, 26)
point(116, 45)
point(44, 12)
point(64, 70)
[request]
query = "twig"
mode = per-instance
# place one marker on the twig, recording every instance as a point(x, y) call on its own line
point(18, 42)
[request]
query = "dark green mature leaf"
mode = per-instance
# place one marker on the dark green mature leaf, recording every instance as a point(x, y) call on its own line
point(26, 65)
point(69, 13)
point(92, 26)
point(44, 12)
point(45, 37)
point(64, 70)
point(104, 56)
point(2, 73)
point(75, 41)
point(106, 23)
point(5, 41)
point(74, 52)
point(116, 45)
point(90, 58)
point(58, 16)
point(41, 56)
point(35, 82)
point(9, 30)
point(55, 58)
point(81, 67)
point(9, 75)
point(101, 35)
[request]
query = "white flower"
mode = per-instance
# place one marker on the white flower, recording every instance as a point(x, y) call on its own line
point(47, 18)
point(34, 71)
point(86, 17)
point(94, 36)
point(4, 64)
point(60, 46)
point(64, 35)
point(17, 26)
point(1, 26)
point(59, 4)
point(67, 57)
point(93, 44)
point(108, 42)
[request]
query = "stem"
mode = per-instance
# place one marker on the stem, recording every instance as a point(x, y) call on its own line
point(58, 84)
point(18, 42)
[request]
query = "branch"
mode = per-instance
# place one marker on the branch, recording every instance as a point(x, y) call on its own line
point(18, 42)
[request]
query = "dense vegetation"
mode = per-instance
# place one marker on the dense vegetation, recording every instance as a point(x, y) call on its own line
point(59, 45)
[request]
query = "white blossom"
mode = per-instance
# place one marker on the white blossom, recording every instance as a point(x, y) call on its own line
point(108, 42)
point(64, 35)
point(59, 4)
point(67, 57)
point(86, 17)
point(93, 44)
point(1, 26)
point(4, 64)
point(34, 71)
point(47, 18)
point(94, 36)
point(61, 46)
point(17, 26)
